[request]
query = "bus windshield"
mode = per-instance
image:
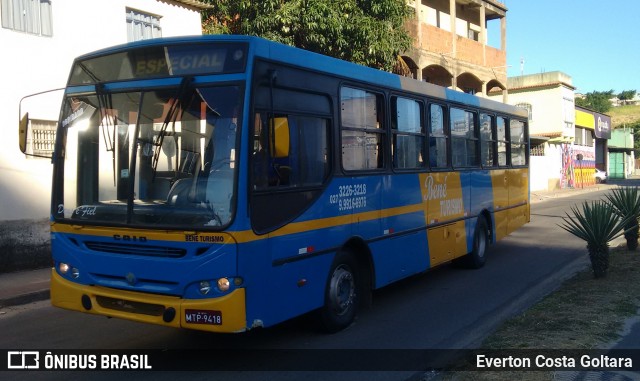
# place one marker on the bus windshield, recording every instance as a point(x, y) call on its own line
point(161, 157)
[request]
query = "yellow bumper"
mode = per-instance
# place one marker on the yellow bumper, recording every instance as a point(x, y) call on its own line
point(149, 308)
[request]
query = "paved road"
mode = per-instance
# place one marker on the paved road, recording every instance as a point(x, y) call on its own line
point(444, 308)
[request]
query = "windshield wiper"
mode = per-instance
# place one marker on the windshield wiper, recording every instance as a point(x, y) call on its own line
point(178, 105)
point(134, 159)
point(104, 103)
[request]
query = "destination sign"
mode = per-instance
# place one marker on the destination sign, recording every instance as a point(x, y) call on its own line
point(162, 61)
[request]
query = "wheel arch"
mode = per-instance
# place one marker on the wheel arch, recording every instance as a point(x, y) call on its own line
point(487, 217)
point(366, 268)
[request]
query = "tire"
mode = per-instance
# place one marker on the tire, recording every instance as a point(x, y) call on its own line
point(477, 257)
point(598, 180)
point(341, 294)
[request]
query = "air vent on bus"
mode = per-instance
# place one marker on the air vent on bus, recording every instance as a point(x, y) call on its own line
point(131, 249)
point(130, 306)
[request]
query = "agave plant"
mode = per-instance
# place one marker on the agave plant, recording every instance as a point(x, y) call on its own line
point(626, 202)
point(597, 223)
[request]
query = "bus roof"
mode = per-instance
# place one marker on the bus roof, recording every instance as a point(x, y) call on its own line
point(320, 63)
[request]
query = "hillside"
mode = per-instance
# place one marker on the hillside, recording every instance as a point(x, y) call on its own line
point(624, 115)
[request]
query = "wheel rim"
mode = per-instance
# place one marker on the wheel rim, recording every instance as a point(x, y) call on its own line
point(342, 290)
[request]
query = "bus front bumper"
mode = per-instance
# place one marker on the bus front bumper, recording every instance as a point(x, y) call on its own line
point(223, 314)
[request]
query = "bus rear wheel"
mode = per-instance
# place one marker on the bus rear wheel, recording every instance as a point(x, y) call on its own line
point(341, 294)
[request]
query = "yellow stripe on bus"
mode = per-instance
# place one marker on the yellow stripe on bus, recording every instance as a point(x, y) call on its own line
point(237, 236)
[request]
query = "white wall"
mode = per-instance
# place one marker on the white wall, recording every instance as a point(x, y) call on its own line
point(545, 170)
point(32, 64)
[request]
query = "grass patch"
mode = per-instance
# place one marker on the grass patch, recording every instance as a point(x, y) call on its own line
point(624, 115)
point(584, 313)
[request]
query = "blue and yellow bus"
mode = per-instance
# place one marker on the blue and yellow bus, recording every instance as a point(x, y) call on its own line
point(223, 183)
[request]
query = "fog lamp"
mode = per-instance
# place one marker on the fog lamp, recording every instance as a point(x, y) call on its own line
point(205, 287)
point(223, 284)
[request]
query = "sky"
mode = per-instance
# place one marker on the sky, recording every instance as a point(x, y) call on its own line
point(595, 42)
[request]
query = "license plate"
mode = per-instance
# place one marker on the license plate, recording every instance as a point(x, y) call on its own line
point(203, 317)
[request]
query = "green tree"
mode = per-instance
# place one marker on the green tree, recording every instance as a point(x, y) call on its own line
point(627, 95)
point(598, 101)
point(368, 32)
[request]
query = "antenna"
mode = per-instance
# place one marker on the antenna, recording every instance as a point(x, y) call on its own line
point(521, 66)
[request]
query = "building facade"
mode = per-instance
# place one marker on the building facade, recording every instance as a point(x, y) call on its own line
point(451, 44)
point(568, 142)
point(40, 39)
point(549, 97)
point(621, 157)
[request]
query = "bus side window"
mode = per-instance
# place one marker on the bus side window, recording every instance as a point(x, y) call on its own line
point(408, 133)
point(438, 155)
point(488, 137)
point(503, 142)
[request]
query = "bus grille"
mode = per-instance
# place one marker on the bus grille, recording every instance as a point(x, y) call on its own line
point(131, 249)
point(130, 306)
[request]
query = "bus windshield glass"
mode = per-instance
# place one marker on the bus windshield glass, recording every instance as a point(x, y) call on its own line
point(161, 157)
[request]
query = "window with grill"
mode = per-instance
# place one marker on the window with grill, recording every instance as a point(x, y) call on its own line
point(28, 16)
point(537, 149)
point(43, 137)
point(142, 26)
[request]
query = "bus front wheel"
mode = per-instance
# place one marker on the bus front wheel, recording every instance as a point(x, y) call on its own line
point(477, 257)
point(341, 294)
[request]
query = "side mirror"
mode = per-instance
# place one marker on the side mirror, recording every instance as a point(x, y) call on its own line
point(23, 132)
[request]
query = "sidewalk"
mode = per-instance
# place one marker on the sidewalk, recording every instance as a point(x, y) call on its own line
point(24, 287)
point(537, 196)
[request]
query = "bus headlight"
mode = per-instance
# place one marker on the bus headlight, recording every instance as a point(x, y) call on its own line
point(205, 287)
point(224, 284)
point(64, 268)
point(67, 269)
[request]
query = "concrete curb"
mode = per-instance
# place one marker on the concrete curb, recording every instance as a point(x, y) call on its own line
point(27, 298)
point(24, 287)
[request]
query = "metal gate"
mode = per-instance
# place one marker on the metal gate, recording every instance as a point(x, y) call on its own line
point(616, 165)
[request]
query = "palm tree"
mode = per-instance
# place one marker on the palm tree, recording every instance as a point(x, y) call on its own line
point(626, 202)
point(597, 223)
